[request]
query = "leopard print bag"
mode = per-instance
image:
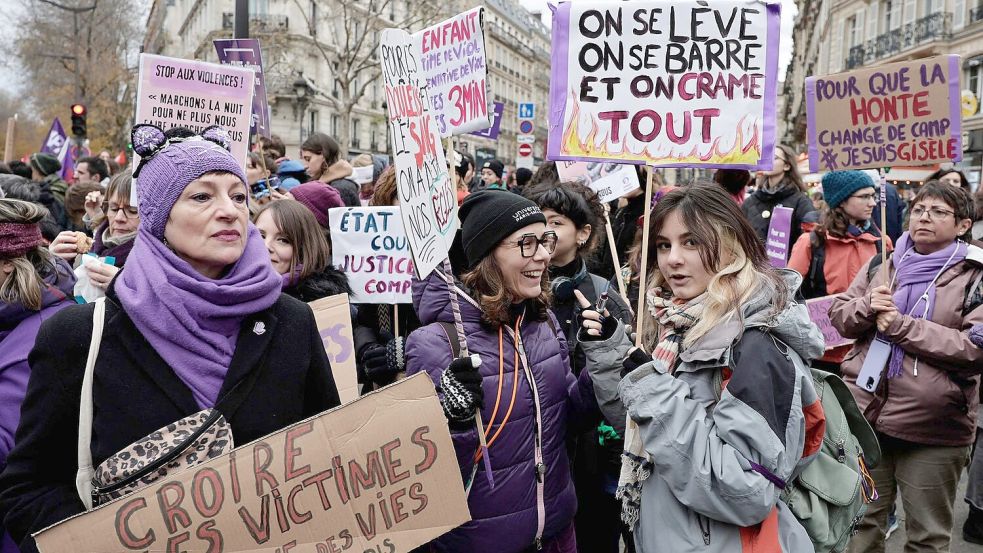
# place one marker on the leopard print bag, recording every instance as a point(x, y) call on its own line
point(164, 452)
point(167, 451)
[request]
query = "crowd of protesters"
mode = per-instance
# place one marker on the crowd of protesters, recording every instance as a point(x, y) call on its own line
point(682, 444)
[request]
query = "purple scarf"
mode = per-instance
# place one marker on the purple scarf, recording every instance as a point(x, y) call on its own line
point(915, 292)
point(190, 320)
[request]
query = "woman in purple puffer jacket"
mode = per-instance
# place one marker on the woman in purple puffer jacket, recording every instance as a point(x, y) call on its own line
point(522, 385)
point(34, 285)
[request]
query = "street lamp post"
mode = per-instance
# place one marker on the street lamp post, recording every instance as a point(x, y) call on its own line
point(302, 89)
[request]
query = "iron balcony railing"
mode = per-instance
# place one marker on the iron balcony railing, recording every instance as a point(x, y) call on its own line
point(931, 28)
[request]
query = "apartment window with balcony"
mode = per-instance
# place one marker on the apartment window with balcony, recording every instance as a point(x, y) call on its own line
point(974, 75)
point(892, 15)
point(853, 32)
point(931, 6)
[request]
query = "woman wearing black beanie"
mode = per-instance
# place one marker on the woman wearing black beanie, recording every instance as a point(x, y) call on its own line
point(522, 385)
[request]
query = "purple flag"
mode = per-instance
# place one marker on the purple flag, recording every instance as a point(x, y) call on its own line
point(245, 52)
point(57, 144)
point(492, 131)
point(779, 232)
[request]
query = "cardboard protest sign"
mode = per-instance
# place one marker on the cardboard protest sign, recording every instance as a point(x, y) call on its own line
point(368, 245)
point(245, 52)
point(616, 183)
point(334, 323)
point(453, 61)
point(362, 477)
point(427, 198)
point(779, 234)
point(665, 82)
point(900, 114)
point(173, 92)
point(496, 123)
point(819, 314)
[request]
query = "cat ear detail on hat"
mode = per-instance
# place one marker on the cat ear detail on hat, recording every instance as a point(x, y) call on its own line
point(218, 135)
point(147, 139)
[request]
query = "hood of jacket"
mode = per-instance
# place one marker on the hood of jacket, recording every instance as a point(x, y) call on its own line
point(785, 190)
point(328, 282)
point(792, 325)
point(59, 285)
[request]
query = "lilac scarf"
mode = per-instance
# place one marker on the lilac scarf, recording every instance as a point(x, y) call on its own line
point(190, 320)
point(915, 292)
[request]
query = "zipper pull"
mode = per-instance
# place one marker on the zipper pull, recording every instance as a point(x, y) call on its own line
point(539, 544)
point(540, 472)
point(841, 451)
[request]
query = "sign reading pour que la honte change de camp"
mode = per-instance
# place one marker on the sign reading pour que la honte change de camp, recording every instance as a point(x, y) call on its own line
point(668, 83)
point(899, 114)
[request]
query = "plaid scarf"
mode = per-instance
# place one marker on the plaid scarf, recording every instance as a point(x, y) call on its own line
point(674, 320)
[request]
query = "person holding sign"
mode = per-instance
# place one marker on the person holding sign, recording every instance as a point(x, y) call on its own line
point(574, 212)
point(299, 251)
point(914, 369)
point(722, 412)
point(196, 320)
point(518, 376)
point(781, 186)
point(829, 257)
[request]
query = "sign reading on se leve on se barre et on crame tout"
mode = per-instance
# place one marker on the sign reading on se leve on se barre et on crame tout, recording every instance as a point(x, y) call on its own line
point(667, 83)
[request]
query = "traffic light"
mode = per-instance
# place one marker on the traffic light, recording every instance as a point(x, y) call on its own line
point(78, 120)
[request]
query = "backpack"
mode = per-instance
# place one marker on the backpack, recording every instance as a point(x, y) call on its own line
point(814, 282)
point(830, 496)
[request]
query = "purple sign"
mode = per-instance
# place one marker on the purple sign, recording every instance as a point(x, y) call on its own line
point(642, 82)
point(779, 232)
point(245, 52)
point(492, 131)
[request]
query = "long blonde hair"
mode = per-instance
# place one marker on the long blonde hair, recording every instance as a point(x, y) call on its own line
point(729, 249)
point(25, 283)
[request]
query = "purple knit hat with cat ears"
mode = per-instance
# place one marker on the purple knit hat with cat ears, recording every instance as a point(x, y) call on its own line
point(169, 165)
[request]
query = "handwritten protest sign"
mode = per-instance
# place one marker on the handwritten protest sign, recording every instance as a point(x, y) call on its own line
point(334, 323)
point(174, 92)
point(900, 114)
point(453, 61)
point(362, 477)
point(665, 82)
point(779, 234)
point(819, 314)
point(368, 245)
point(245, 52)
point(427, 198)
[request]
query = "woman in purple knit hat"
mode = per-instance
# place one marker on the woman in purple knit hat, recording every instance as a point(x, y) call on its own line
point(194, 320)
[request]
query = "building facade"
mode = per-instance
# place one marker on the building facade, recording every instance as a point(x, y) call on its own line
point(302, 86)
point(840, 35)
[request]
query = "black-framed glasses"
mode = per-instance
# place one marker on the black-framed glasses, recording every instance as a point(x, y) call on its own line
point(934, 213)
point(129, 211)
point(529, 242)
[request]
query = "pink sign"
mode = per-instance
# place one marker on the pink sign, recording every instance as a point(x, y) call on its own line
point(819, 314)
point(175, 92)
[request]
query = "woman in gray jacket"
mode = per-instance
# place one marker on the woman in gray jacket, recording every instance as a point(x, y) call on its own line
point(725, 413)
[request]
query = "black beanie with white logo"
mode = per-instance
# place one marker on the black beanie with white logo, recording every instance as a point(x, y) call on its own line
point(489, 216)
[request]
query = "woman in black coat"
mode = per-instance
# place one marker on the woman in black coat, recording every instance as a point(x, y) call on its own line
point(781, 186)
point(194, 319)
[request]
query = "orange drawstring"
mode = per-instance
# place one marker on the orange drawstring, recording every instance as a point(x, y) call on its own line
point(501, 377)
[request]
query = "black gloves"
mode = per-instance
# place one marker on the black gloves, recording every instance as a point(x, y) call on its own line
point(383, 361)
point(635, 359)
point(461, 384)
point(609, 325)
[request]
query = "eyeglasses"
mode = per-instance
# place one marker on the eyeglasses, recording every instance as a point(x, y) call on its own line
point(934, 214)
point(529, 242)
point(129, 212)
point(865, 197)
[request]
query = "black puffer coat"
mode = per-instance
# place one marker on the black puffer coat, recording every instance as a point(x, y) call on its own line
point(787, 195)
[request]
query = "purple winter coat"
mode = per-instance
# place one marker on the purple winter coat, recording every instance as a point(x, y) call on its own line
point(18, 330)
point(506, 519)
